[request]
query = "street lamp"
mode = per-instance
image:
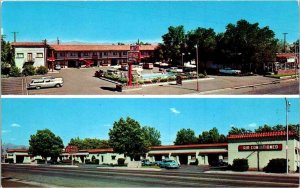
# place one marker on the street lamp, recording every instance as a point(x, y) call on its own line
point(196, 46)
point(287, 108)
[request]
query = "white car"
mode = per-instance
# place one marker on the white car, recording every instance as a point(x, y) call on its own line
point(45, 82)
point(230, 71)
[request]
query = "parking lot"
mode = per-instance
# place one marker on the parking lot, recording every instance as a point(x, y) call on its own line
point(82, 82)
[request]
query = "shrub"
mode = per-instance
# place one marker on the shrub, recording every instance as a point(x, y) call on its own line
point(121, 161)
point(42, 70)
point(40, 161)
point(141, 82)
point(276, 166)
point(122, 80)
point(171, 78)
point(97, 161)
point(28, 70)
point(201, 76)
point(5, 68)
point(240, 165)
point(10, 160)
point(15, 72)
point(195, 163)
point(163, 79)
point(155, 80)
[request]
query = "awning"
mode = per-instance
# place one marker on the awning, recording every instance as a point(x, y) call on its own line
point(213, 152)
point(183, 153)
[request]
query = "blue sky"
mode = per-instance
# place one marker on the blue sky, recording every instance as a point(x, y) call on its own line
point(92, 118)
point(104, 22)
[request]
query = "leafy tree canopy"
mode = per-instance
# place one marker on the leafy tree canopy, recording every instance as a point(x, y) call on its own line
point(45, 144)
point(89, 143)
point(185, 136)
point(152, 136)
point(128, 137)
point(211, 136)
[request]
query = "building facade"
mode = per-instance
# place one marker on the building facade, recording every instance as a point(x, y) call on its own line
point(30, 53)
point(260, 148)
point(186, 154)
point(74, 55)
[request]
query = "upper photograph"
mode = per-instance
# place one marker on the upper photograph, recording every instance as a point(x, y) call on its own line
point(150, 48)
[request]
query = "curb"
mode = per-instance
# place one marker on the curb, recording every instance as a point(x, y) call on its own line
point(174, 82)
point(253, 173)
point(125, 168)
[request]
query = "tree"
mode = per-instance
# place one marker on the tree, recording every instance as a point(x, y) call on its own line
point(264, 128)
point(235, 130)
point(247, 46)
point(152, 136)
point(127, 137)
point(7, 53)
point(45, 144)
point(89, 143)
point(211, 136)
point(205, 39)
point(174, 44)
point(185, 136)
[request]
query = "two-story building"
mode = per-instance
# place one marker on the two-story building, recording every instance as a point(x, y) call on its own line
point(30, 53)
point(75, 55)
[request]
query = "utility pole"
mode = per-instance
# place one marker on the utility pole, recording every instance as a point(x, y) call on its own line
point(284, 42)
point(287, 108)
point(15, 36)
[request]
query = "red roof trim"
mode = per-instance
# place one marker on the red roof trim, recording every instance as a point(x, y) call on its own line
point(28, 44)
point(78, 48)
point(261, 135)
point(189, 146)
point(17, 150)
point(107, 150)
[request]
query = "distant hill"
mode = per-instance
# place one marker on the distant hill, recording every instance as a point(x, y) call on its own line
point(12, 146)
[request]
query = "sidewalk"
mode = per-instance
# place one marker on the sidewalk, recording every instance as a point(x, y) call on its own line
point(254, 173)
point(126, 168)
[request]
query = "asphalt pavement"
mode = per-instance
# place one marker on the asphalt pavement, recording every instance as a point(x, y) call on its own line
point(95, 177)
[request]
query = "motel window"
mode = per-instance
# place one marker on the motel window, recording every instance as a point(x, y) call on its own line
point(113, 157)
point(94, 53)
point(62, 54)
point(39, 55)
point(86, 54)
point(115, 53)
point(20, 55)
point(105, 53)
point(72, 54)
point(124, 53)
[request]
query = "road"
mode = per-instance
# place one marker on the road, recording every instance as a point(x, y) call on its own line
point(93, 177)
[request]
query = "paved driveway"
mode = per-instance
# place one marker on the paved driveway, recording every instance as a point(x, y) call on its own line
point(82, 82)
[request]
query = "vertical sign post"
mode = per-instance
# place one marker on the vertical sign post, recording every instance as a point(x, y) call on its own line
point(133, 56)
point(71, 150)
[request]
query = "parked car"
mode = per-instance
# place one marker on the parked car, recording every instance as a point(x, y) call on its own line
point(45, 82)
point(230, 71)
point(57, 67)
point(124, 67)
point(146, 162)
point(167, 163)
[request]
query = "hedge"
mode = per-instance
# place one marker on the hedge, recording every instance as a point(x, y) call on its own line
point(240, 165)
point(276, 166)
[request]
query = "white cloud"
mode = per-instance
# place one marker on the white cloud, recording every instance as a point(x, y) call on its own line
point(15, 125)
point(173, 110)
point(252, 125)
point(6, 131)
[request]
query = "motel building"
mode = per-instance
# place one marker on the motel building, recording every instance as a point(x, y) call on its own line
point(186, 154)
point(74, 55)
point(258, 148)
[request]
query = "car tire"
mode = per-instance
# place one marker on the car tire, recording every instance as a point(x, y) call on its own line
point(57, 85)
point(38, 87)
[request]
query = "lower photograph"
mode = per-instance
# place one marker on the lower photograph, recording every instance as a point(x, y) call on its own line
point(150, 142)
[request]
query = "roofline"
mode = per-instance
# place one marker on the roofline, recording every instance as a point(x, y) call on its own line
point(188, 146)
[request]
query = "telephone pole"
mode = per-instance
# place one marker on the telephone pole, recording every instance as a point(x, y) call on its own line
point(284, 42)
point(15, 36)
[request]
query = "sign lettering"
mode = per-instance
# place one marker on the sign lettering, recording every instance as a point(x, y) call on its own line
point(261, 147)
